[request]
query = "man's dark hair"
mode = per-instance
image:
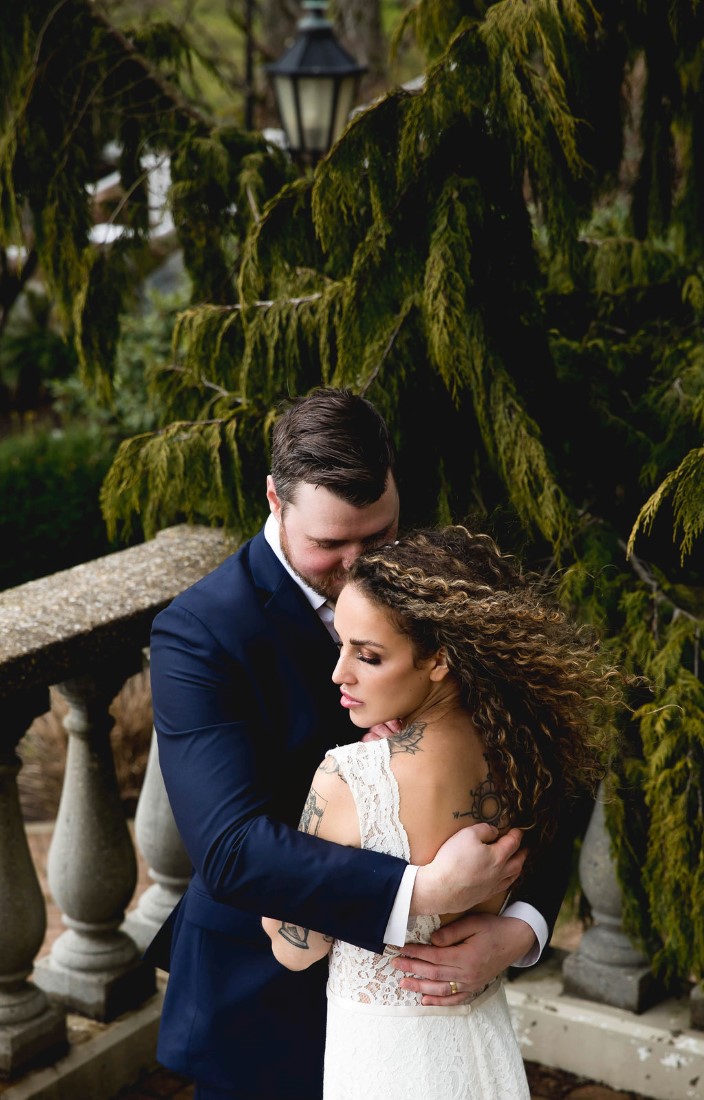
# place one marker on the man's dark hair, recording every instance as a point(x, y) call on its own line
point(332, 438)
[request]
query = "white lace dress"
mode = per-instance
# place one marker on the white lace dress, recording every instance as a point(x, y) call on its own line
point(382, 1044)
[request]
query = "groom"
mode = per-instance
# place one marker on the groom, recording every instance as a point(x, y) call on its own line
point(244, 709)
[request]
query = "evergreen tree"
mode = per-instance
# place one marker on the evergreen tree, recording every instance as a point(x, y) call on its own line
point(507, 261)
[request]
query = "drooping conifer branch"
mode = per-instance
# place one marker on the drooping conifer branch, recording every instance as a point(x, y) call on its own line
point(511, 273)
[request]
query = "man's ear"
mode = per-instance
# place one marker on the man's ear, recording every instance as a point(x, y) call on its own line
point(275, 504)
point(440, 666)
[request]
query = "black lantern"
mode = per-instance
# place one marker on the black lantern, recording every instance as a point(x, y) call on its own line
point(315, 83)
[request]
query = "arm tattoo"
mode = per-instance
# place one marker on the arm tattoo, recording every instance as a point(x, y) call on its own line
point(330, 766)
point(298, 937)
point(487, 802)
point(407, 740)
point(312, 813)
point(295, 935)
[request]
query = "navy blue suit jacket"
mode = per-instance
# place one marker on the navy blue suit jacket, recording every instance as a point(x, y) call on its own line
point(244, 710)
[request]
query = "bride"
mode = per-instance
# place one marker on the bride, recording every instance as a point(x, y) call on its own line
point(497, 694)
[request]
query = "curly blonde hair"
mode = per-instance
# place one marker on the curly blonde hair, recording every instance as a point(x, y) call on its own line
point(533, 680)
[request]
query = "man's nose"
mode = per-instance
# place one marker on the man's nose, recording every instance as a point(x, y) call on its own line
point(350, 554)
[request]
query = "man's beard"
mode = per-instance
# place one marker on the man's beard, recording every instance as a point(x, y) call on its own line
point(328, 585)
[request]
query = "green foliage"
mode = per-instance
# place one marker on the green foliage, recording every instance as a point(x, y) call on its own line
point(143, 352)
point(32, 353)
point(508, 261)
point(56, 118)
point(686, 484)
point(50, 515)
point(673, 744)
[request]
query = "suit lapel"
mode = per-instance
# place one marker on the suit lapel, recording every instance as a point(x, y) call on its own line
point(288, 605)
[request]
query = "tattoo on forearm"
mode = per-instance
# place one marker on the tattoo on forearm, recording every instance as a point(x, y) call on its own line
point(312, 813)
point(298, 936)
point(407, 740)
point(295, 935)
point(487, 803)
point(330, 766)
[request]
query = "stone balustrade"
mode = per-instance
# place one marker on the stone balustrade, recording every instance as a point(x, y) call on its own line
point(85, 631)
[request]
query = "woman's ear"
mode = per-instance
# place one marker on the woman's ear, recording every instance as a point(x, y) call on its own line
point(440, 667)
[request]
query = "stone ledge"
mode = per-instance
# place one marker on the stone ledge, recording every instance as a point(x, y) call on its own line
point(111, 1058)
point(83, 618)
point(654, 1053)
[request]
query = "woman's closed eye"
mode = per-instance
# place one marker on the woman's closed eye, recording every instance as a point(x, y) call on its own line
point(373, 660)
point(370, 659)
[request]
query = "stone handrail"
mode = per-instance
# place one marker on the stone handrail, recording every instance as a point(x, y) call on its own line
point(78, 619)
point(85, 631)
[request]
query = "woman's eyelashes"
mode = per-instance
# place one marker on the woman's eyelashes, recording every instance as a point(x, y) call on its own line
point(368, 660)
point(373, 660)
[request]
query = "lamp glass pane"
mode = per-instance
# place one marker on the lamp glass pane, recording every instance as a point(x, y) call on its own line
point(315, 95)
point(345, 102)
point(286, 101)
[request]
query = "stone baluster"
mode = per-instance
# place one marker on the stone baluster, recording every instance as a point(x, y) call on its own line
point(94, 968)
point(606, 967)
point(31, 1029)
point(160, 844)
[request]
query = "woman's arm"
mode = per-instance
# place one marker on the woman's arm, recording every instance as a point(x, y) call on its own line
point(329, 813)
point(296, 948)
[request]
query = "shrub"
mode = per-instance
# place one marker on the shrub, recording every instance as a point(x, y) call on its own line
point(50, 516)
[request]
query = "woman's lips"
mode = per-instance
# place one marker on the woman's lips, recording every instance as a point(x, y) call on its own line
point(348, 701)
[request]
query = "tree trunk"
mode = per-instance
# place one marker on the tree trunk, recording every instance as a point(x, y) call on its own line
point(277, 20)
point(358, 25)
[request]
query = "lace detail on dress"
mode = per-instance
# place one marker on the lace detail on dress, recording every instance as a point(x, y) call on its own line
point(356, 974)
point(382, 1043)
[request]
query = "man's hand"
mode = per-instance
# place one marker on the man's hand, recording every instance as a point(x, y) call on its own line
point(382, 730)
point(470, 867)
point(469, 952)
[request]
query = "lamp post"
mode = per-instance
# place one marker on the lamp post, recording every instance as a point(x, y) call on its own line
point(315, 83)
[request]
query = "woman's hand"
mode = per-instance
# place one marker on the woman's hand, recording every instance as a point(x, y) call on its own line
point(383, 730)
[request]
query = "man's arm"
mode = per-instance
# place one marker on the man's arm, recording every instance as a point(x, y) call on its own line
point(216, 760)
point(442, 887)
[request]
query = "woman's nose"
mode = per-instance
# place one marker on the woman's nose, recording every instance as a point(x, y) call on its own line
point(341, 673)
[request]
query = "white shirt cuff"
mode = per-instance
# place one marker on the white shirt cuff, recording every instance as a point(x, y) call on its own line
point(397, 927)
point(531, 916)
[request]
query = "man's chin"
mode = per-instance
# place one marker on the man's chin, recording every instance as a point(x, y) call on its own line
point(326, 587)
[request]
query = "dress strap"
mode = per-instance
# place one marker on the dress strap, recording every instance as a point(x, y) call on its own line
point(366, 768)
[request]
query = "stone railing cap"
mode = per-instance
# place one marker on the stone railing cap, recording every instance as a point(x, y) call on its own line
point(52, 627)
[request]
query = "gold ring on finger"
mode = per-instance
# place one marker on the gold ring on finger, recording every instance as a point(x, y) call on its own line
point(453, 988)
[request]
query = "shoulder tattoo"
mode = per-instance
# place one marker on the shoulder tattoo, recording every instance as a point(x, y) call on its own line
point(486, 802)
point(407, 740)
point(312, 813)
point(330, 766)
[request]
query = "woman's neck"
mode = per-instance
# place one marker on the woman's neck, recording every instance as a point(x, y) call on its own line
point(440, 703)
